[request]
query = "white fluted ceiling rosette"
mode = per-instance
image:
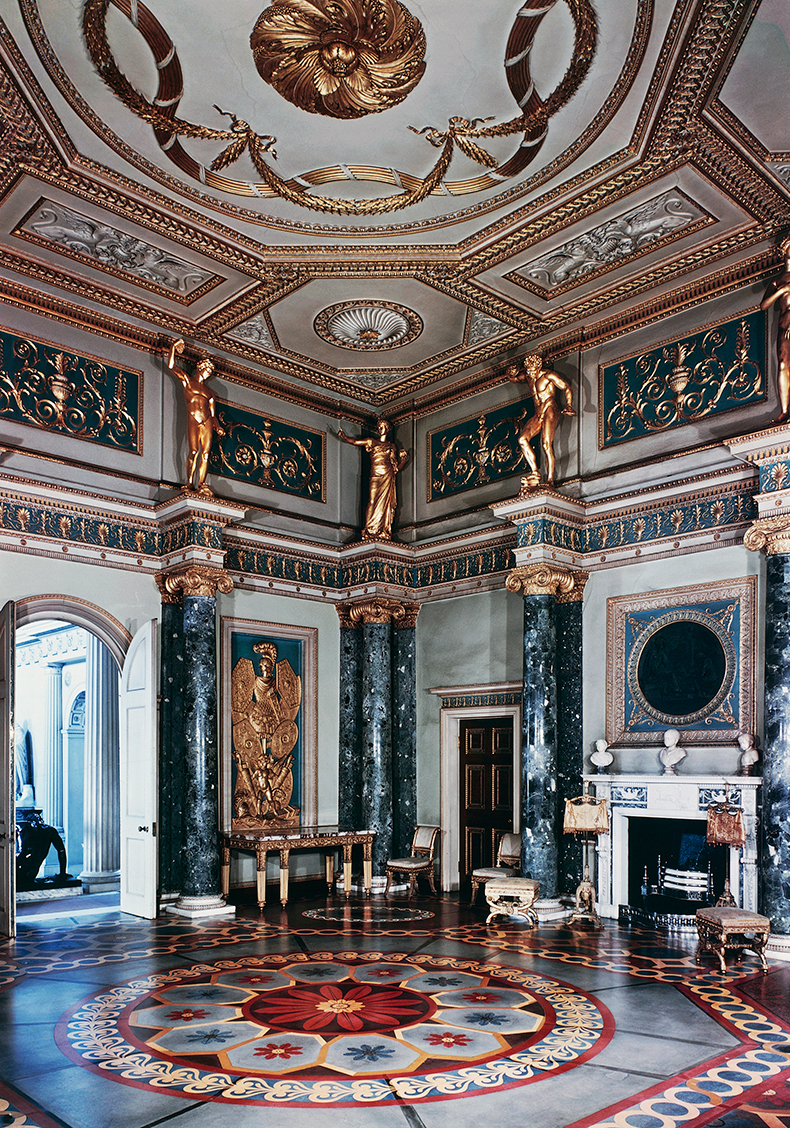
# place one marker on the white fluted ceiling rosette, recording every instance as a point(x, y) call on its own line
point(368, 326)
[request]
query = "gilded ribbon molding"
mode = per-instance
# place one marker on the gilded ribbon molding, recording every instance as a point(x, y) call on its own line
point(547, 579)
point(193, 580)
point(240, 138)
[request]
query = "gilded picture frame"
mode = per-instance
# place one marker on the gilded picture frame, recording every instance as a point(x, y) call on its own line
point(681, 658)
point(292, 656)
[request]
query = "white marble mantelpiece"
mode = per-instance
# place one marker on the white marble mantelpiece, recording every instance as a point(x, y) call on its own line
point(671, 797)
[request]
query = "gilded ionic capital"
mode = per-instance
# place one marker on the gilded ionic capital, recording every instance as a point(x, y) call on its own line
point(376, 610)
point(548, 579)
point(770, 535)
point(193, 579)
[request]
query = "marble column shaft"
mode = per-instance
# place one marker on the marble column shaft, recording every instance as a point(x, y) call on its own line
point(51, 794)
point(200, 854)
point(539, 745)
point(171, 741)
point(377, 740)
point(350, 736)
point(570, 755)
point(775, 855)
point(404, 738)
point(101, 807)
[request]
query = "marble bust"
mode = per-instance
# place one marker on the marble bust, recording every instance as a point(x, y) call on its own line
point(671, 754)
point(601, 757)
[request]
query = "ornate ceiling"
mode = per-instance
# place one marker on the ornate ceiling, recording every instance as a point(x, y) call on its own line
point(377, 203)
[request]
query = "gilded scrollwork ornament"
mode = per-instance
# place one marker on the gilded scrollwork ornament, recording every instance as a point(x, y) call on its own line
point(547, 579)
point(770, 535)
point(194, 580)
point(377, 610)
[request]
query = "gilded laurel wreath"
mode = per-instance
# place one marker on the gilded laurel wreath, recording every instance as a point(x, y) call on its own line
point(345, 58)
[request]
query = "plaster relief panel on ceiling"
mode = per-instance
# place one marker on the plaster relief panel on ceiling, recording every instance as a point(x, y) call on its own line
point(482, 327)
point(256, 332)
point(593, 252)
point(51, 224)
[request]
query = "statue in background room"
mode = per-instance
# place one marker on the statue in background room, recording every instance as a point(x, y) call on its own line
point(264, 708)
point(779, 292)
point(202, 422)
point(544, 386)
point(386, 460)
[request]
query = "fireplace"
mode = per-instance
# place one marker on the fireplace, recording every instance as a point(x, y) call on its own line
point(667, 815)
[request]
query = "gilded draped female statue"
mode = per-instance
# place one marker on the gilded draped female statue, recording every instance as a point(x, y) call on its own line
point(386, 459)
point(264, 708)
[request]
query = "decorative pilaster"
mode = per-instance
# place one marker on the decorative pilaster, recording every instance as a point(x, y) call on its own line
point(200, 887)
point(570, 749)
point(404, 729)
point(772, 535)
point(52, 797)
point(386, 669)
point(543, 585)
point(101, 803)
point(349, 776)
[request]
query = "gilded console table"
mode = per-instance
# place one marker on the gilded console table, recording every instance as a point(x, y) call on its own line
point(326, 838)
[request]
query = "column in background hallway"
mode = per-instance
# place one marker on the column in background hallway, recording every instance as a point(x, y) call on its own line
point(541, 739)
point(570, 750)
point(404, 729)
point(171, 742)
point(200, 887)
point(773, 535)
point(50, 796)
point(101, 806)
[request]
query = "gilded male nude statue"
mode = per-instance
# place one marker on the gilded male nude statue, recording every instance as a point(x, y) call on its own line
point(544, 387)
point(202, 422)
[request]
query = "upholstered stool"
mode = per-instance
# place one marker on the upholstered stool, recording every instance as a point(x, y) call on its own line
point(722, 927)
point(512, 896)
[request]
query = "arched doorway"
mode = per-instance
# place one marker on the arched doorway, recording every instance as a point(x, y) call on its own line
point(68, 656)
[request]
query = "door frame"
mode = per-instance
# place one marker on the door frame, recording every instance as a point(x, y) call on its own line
point(451, 718)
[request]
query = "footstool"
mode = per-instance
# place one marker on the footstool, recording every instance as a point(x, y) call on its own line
point(723, 927)
point(512, 896)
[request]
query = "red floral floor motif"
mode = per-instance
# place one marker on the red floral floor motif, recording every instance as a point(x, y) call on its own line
point(335, 1028)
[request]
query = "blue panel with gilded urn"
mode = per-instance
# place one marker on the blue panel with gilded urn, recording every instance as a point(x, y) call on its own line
point(717, 369)
point(268, 452)
point(483, 448)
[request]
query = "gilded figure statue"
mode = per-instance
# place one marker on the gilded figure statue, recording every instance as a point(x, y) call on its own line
point(545, 387)
point(264, 711)
point(202, 423)
point(779, 292)
point(386, 460)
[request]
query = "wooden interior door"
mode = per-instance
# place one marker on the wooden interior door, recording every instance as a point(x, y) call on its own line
point(486, 800)
point(139, 779)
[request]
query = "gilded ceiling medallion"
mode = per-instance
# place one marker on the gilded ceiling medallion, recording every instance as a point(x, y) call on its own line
point(341, 58)
point(368, 326)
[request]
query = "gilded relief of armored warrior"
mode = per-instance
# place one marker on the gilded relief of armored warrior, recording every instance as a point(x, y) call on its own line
point(264, 710)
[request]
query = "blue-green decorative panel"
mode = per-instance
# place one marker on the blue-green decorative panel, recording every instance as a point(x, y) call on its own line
point(480, 449)
point(717, 369)
point(269, 452)
point(43, 385)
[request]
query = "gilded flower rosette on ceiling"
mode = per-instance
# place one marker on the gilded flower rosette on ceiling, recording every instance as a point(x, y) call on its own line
point(344, 58)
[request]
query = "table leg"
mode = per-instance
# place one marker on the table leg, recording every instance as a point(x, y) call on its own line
point(260, 876)
point(347, 869)
point(367, 867)
point(330, 872)
point(284, 854)
point(225, 871)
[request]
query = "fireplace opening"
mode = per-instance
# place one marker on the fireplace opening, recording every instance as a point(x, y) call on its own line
point(679, 844)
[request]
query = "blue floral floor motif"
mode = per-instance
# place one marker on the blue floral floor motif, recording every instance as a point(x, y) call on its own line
point(335, 1028)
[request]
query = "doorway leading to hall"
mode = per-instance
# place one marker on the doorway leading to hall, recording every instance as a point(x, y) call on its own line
point(66, 761)
point(485, 747)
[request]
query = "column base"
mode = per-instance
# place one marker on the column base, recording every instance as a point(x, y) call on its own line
point(196, 908)
point(550, 908)
point(100, 882)
point(778, 947)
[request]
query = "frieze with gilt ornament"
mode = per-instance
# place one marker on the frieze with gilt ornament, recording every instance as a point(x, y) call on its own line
point(197, 580)
point(79, 527)
point(715, 370)
point(336, 67)
point(42, 385)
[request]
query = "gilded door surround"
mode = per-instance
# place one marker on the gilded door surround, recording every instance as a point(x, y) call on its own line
point(485, 701)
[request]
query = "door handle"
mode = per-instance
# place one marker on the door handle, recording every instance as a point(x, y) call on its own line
point(143, 829)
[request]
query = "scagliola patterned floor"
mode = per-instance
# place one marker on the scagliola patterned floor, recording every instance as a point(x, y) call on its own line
point(392, 1014)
